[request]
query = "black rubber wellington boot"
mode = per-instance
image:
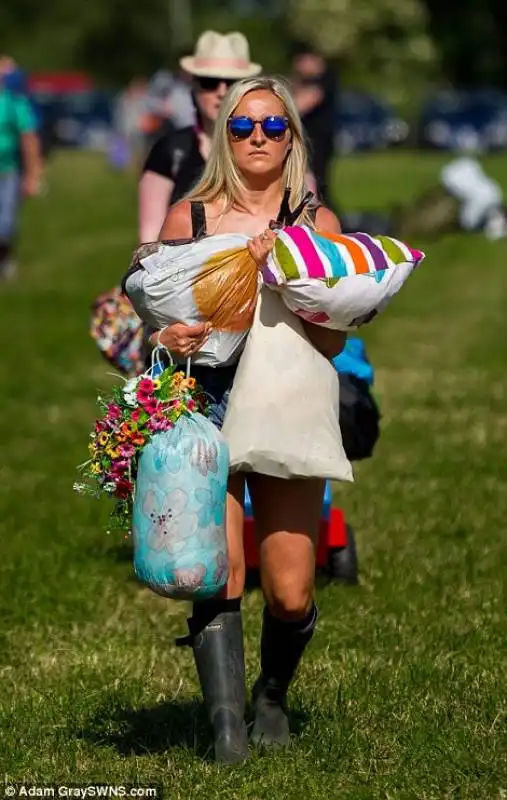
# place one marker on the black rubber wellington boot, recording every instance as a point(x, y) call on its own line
point(282, 645)
point(216, 638)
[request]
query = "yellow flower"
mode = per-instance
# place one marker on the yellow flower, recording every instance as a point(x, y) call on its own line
point(156, 384)
point(95, 468)
point(103, 438)
point(177, 378)
point(113, 452)
point(92, 449)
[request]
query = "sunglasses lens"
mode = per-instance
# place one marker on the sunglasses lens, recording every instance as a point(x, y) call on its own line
point(274, 127)
point(208, 84)
point(212, 84)
point(241, 127)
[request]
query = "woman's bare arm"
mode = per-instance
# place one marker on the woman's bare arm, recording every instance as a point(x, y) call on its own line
point(326, 220)
point(177, 223)
point(154, 196)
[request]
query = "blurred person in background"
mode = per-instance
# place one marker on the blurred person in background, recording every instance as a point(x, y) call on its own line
point(170, 97)
point(176, 161)
point(20, 158)
point(129, 113)
point(158, 108)
point(315, 90)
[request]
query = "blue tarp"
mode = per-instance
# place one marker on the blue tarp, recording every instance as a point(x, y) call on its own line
point(354, 361)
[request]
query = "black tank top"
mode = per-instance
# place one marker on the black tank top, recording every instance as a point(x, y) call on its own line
point(285, 215)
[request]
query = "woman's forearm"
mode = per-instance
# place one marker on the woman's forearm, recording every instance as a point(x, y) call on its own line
point(328, 342)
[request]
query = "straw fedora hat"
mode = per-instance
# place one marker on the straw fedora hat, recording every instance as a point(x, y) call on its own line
point(221, 56)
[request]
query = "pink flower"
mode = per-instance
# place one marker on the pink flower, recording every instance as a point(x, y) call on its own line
point(150, 405)
point(119, 465)
point(159, 424)
point(145, 390)
point(100, 426)
point(113, 411)
point(135, 415)
point(146, 386)
point(191, 405)
point(159, 421)
point(127, 450)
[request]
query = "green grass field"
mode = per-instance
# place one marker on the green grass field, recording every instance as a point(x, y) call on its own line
point(402, 693)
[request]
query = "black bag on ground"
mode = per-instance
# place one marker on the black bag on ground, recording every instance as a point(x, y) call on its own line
point(359, 417)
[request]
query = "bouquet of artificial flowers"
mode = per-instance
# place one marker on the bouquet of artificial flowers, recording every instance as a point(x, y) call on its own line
point(131, 415)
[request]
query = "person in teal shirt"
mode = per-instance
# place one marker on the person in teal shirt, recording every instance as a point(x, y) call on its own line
point(20, 162)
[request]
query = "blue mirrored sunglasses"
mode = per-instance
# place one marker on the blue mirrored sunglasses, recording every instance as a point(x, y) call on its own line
point(272, 127)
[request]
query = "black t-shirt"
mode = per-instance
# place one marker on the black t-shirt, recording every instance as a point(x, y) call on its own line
point(176, 155)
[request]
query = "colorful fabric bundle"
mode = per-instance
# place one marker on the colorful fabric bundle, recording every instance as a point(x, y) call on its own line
point(338, 281)
point(180, 546)
point(118, 331)
point(214, 279)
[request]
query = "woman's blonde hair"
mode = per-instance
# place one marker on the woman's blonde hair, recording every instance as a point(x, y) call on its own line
point(221, 177)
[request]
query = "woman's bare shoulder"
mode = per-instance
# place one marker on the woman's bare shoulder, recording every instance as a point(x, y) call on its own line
point(326, 220)
point(178, 222)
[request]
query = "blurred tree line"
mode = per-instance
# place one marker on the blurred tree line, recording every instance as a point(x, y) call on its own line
point(397, 47)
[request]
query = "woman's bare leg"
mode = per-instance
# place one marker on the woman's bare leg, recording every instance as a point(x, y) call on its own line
point(287, 518)
point(235, 517)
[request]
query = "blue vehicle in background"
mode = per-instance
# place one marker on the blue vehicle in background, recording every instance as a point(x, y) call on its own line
point(82, 119)
point(366, 122)
point(464, 121)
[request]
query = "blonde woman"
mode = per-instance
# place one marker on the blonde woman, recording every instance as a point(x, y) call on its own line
point(258, 158)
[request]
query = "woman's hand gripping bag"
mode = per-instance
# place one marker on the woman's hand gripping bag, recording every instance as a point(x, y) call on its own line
point(283, 412)
point(338, 281)
point(212, 280)
point(180, 546)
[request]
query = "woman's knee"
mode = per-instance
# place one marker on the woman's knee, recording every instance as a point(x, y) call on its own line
point(288, 597)
point(288, 601)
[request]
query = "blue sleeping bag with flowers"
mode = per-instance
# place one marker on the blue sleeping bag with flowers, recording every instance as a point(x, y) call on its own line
point(178, 519)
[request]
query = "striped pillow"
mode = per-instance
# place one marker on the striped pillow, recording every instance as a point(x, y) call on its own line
point(338, 281)
point(300, 252)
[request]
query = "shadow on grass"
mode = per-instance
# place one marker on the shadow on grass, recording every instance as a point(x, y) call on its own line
point(151, 729)
point(121, 553)
point(156, 729)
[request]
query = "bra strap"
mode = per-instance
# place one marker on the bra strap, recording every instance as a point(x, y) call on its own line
point(198, 216)
point(285, 215)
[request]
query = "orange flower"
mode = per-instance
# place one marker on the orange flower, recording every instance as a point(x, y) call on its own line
point(177, 378)
point(137, 439)
point(124, 430)
point(188, 383)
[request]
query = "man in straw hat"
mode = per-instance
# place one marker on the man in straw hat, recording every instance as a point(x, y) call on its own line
point(176, 160)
